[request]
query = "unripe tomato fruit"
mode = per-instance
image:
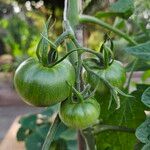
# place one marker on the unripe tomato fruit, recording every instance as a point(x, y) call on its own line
point(43, 86)
point(115, 74)
point(79, 115)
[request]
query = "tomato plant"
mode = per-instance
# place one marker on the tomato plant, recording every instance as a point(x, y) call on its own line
point(72, 85)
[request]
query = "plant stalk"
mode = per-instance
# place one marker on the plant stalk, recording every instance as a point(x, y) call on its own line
point(51, 133)
point(91, 19)
point(102, 128)
point(131, 74)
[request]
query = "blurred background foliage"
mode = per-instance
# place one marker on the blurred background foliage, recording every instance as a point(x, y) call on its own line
point(21, 23)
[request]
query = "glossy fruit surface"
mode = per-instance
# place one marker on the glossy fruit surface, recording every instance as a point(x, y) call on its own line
point(43, 86)
point(79, 115)
point(115, 74)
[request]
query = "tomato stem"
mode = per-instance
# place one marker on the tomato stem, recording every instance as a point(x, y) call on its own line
point(51, 133)
point(102, 128)
point(91, 19)
point(131, 73)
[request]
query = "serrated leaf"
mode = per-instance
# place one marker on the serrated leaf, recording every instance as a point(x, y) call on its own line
point(115, 141)
point(146, 97)
point(143, 131)
point(124, 8)
point(146, 146)
point(141, 51)
point(130, 114)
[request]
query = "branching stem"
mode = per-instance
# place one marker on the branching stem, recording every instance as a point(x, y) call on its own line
point(91, 19)
point(102, 128)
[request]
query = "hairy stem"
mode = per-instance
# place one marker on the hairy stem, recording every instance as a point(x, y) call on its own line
point(89, 139)
point(131, 73)
point(71, 14)
point(102, 128)
point(51, 133)
point(90, 19)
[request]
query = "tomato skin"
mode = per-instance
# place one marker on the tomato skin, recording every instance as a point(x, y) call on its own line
point(43, 86)
point(115, 74)
point(79, 115)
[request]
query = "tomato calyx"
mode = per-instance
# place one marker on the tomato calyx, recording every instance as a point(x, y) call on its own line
point(107, 52)
point(44, 55)
point(105, 57)
point(80, 97)
point(77, 111)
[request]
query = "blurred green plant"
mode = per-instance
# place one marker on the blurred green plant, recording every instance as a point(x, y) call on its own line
point(34, 129)
point(21, 36)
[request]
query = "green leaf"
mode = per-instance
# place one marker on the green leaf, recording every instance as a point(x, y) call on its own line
point(42, 130)
point(140, 66)
point(28, 121)
point(146, 146)
point(69, 134)
point(34, 142)
point(143, 131)
point(50, 110)
point(124, 8)
point(22, 134)
point(141, 51)
point(146, 97)
point(62, 128)
point(130, 114)
point(59, 145)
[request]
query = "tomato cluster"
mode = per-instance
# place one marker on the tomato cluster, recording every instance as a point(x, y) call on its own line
point(44, 86)
point(47, 81)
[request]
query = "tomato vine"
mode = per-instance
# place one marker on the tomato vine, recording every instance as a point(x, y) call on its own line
point(54, 80)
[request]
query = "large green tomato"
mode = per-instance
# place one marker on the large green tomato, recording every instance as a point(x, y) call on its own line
point(79, 115)
point(115, 74)
point(43, 86)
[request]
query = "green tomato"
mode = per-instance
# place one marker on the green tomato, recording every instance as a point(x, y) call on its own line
point(115, 74)
point(43, 86)
point(79, 115)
